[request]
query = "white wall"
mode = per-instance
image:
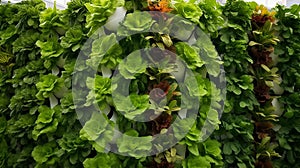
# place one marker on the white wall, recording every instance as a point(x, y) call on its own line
point(269, 3)
point(291, 2)
point(61, 4)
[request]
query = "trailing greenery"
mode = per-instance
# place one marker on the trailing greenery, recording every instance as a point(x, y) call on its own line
point(288, 64)
point(236, 128)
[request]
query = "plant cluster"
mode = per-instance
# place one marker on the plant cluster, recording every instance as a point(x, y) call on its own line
point(145, 53)
point(39, 49)
point(207, 14)
point(236, 128)
point(288, 65)
point(261, 46)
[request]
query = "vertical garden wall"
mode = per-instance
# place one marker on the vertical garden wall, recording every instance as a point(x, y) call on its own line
point(236, 131)
point(58, 67)
point(288, 130)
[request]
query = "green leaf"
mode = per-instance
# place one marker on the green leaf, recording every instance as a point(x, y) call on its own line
point(16, 126)
point(98, 13)
point(2, 124)
point(100, 90)
point(196, 87)
point(72, 37)
point(101, 45)
point(253, 43)
point(189, 10)
point(47, 121)
point(133, 64)
point(194, 149)
point(132, 106)
point(50, 48)
point(45, 115)
point(199, 161)
point(266, 68)
point(4, 151)
point(7, 33)
point(112, 57)
point(102, 160)
point(182, 29)
point(47, 85)
point(213, 147)
point(241, 165)
point(189, 55)
point(137, 22)
point(227, 149)
point(291, 157)
point(97, 126)
point(26, 41)
point(47, 152)
point(283, 143)
point(129, 145)
point(225, 38)
point(41, 153)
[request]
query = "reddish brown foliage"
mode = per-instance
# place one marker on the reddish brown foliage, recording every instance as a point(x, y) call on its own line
point(263, 164)
point(163, 164)
point(262, 92)
point(161, 122)
point(158, 91)
point(260, 20)
point(263, 129)
point(261, 56)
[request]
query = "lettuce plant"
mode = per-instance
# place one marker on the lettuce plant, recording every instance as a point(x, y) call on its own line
point(261, 46)
point(153, 96)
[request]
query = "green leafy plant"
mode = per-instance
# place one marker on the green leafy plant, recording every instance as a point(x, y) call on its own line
point(154, 95)
point(98, 13)
point(236, 128)
point(103, 160)
point(188, 10)
point(49, 84)
point(263, 40)
point(288, 59)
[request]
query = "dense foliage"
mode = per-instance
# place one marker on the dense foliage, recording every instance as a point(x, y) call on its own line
point(236, 129)
point(288, 65)
point(261, 46)
point(40, 125)
point(58, 67)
